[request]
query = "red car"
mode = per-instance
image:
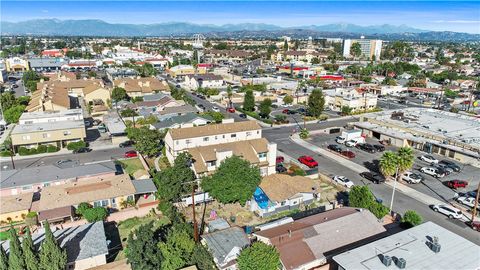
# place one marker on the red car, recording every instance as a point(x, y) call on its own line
point(348, 154)
point(131, 154)
point(457, 184)
point(231, 110)
point(286, 111)
point(279, 159)
point(309, 161)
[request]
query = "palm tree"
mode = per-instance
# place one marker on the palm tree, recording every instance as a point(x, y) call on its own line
point(405, 159)
point(229, 95)
point(388, 163)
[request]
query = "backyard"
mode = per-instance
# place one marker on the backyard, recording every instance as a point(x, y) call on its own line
point(133, 167)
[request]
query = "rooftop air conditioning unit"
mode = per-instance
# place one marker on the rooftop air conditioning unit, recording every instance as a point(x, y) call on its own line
point(435, 247)
point(401, 263)
point(386, 260)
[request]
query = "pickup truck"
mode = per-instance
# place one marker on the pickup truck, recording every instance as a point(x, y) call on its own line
point(468, 201)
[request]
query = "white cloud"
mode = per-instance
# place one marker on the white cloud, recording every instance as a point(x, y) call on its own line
point(44, 11)
point(458, 21)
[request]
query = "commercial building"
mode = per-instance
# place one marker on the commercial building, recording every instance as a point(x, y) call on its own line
point(56, 128)
point(211, 144)
point(448, 134)
point(16, 64)
point(310, 242)
point(181, 71)
point(46, 64)
point(426, 246)
point(355, 99)
point(371, 48)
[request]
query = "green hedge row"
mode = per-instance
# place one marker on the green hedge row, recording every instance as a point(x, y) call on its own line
point(76, 145)
point(23, 151)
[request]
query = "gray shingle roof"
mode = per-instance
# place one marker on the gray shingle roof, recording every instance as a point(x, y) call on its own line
point(144, 186)
point(49, 173)
point(180, 119)
point(221, 243)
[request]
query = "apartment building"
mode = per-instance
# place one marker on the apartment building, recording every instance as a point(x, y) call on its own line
point(370, 47)
point(204, 81)
point(49, 128)
point(211, 144)
point(138, 87)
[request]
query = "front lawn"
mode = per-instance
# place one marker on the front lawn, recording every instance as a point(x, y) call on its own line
point(131, 165)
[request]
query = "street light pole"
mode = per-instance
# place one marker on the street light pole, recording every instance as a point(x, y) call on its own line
point(474, 210)
point(195, 225)
point(393, 192)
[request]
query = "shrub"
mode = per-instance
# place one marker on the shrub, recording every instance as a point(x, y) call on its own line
point(82, 207)
point(52, 149)
point(95, 214)
point(42, 149)
point(296, 170)
point(23, 151)
point(76, 145)
point(31, 219)
point(411, 219)
point(6, 153)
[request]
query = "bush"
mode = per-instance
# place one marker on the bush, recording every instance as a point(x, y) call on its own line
point(52, 149)
point(411, 219)
point(82, 207)
point(31, 219)
point(42, 149)
point(296, 170)
point(76, 145)
point(6, 153)
point(95, 214)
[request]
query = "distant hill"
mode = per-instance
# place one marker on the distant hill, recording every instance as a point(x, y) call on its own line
point(55, 27)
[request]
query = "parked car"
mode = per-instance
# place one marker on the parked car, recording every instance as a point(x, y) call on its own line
point(215, 109)
point(231, 110)
point(448, 210)
point(474, 225)
point(125, 144)
point(429, 159)
point(131, 154)
point(242, 115)
point(348, 154)
point(379, 147)
point(432, 171)
point(450, 164)
point(302, 111)
point(308, 161)
point(374, 177)
point(201, 96)
point(279, 168)
point(82, 150)
point(286, 111)
point(457, 184)
point(468, 201)
point(280, 159)
point(412, 178)
point(64, 161)
point(366, 147)
point(344, 181)
point(335, 148)
point(201, 106)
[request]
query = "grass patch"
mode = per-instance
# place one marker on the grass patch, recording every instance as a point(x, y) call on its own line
point(131, 165)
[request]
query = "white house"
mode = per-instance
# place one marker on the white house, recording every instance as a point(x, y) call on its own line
point(350, 97)
point(204, 81)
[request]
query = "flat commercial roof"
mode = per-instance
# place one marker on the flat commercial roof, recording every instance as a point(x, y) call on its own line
point(114, 124)
point(39, 127)
point(456, 252)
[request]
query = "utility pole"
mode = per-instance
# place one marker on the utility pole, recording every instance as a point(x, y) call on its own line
point(474, 210)
point(195, 225)
point(393, 192)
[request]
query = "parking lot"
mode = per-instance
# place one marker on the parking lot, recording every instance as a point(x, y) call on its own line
point(431, 186)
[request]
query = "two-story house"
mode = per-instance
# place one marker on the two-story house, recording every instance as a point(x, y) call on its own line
point(211, 144)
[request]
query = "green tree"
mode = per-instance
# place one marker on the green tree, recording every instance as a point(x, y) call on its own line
point(304, 133)
point(52, 257)
point(13, 114)
point(406, 159)
point(249, 101)
point(355, 50)
point(217, 116)
point(265, 107)
point(8, 100)
point(92, 74)
point(234, 181)
point(202, 258)
point(171, 182)
point(346, 110)
point(362, 197)
point(402, 160)
point(316, 103)
point(29, 252)
point(229, 94)
point(3, 259)
point(450, 94)
point(95, 214)
point(82, 208)
point(119, 93)
point(30, 75)
point(388, 163)
point(259, 256)
point(177, 249)
point(128, 113)
point(147, 141)
point(411, 219)
point(142, 252)
point(288, 99)
point(16, 260)
point(285, 45)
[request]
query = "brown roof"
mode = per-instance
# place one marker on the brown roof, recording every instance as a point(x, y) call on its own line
point(15, 203)
point(85, 191)
point(280, 187)
point(315, 237)
point(116, 265)
point(144, 85)
point(216, 129)
point(299, 53)
point(56, 214)
point(247, 150)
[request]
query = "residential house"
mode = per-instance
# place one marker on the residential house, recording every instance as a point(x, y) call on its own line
point(169, 112)
point(54, 52)
point(225, 246)
point(311, 242)
point(86, 245)
point(14, 208)
point(116, 127)
point(158, 63)
point(140, 87)
point(182, 121)
point(16, 64)
point(426, 246)
point(160, 104)
point(228, 56)
point(211, 144)
point(181, 71)
point(204, 81)
point(34, 179)
point(48, 128)
point(281, 192)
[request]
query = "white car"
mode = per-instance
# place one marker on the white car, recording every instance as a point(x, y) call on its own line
point(351, 143)
point(448, 210)
point(215, 109)
point(468, 201)
point(429, 159)
point(432, 171)
point(342, 180)
point(412, 178)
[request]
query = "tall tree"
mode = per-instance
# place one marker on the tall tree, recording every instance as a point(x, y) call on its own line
point(29, 252)
point(229, 95)
point(147, 141)
point(316, 103)
point(3, 259)
point(142, 251)
point(177, 249)
point(119, 93)
point(16, 260)
point(388, 163)
point(285, 45)
point(259, 256)
point(288, 99)
point(406, 159)
point(52, 257)
point(234, 181)
point(172, 182)
point(265, 107)
point(355, 50)
point(249, 101)
point(202, 258)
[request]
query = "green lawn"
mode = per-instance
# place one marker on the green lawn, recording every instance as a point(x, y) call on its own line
point(131, 165)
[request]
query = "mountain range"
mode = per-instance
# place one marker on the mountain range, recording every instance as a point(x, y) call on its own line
point(55, 27)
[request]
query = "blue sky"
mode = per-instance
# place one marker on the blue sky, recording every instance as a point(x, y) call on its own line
point(460, 16)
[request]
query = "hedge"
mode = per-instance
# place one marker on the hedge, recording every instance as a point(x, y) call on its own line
point(76, 145)
point(23, 151)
